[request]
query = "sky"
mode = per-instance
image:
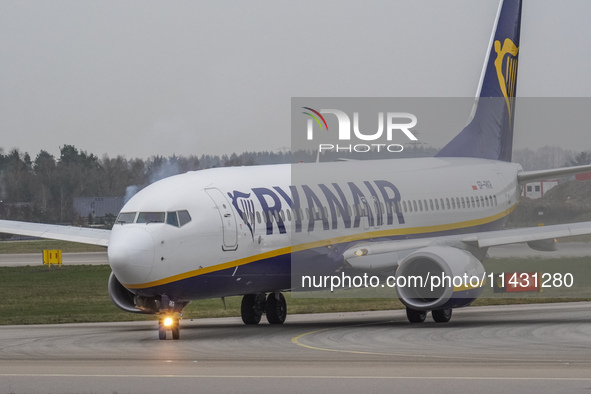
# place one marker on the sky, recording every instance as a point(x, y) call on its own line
point(140, 78)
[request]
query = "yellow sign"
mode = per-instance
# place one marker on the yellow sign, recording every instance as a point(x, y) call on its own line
point(52, 257)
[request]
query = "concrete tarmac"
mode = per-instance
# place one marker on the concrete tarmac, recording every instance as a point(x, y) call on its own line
point(521, 348)
point(86, 258)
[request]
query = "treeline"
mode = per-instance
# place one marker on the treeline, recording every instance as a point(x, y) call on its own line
point(43, 189)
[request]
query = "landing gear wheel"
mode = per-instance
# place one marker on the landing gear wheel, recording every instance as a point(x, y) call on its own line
point(415, 316)
point(161, 330)
point(441, 315)
point(276, 309)
point(176, 334)
point(252, 308)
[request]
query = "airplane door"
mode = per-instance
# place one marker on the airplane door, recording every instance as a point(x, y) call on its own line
point(230, 232)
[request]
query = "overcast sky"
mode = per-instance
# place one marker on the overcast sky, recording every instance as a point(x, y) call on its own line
point(139, 78)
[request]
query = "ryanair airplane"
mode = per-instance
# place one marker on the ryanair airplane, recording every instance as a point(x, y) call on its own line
point(247, 231)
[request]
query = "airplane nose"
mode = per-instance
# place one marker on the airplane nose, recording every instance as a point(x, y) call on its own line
point(131, 254)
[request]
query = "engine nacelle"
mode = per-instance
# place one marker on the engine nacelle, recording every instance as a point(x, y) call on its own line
point(125, 299)
point(432, 278)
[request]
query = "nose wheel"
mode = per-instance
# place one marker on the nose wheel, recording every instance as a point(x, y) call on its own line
point(169, 323)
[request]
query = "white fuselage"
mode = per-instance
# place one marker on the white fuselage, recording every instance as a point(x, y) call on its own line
point(244, 216)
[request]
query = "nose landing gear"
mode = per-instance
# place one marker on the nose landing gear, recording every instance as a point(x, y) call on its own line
point(169, 322)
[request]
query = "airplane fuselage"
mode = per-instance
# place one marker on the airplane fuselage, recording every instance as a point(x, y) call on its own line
point(248, 225)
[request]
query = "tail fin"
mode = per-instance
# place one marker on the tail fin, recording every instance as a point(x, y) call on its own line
point(489, 133)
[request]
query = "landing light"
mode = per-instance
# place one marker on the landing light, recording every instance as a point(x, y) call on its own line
point(168, 322)
point(360, 252)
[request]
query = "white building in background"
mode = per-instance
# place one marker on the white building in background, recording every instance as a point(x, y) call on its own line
point(538, 189)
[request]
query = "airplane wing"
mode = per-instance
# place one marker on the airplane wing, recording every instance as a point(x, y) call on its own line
point(386, 254)
point(528, 234)
point(530, 176)
point(64, 233)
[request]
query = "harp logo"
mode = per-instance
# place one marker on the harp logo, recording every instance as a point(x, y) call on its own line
point(506, 66)
point(245, 208)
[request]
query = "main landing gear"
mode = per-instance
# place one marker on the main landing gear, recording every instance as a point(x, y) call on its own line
point(439, 316)
point(169, 322)
point(273, 306)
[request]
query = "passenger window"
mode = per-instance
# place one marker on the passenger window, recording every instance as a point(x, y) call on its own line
point(437, 205)
point(258, 217)
point(473, 203)
point(431, 204)
point(151, 217)
point(126, 217)
point(495, 198)
point(420, 206)
point(172, 219)
point(426, 206)
point(288, 212)
point(414, 205)
point(486, 200)
point(463, 203)
point(404, 205)
point(389, 208)
point(184, 217)
point(447, 201)
point(453, 203)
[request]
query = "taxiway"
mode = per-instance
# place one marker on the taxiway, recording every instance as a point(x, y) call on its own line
point(519, 348)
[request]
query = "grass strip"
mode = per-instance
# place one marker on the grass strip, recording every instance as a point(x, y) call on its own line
point(73, 294)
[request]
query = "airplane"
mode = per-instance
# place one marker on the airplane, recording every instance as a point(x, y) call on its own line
point(250, 231)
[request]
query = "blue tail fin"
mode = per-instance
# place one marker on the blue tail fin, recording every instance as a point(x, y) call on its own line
point(489, 134)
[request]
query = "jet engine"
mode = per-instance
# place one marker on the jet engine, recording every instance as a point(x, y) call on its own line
point(439, 277)
point(126, 300)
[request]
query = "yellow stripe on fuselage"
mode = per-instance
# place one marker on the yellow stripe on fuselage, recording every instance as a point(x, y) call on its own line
point(325, 242)
point(468, 286)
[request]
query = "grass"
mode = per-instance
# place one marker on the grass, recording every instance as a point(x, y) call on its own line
point(38, 246)
point(72, 294)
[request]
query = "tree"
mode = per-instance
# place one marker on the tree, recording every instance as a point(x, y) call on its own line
point(581, 159)
point(44, 169)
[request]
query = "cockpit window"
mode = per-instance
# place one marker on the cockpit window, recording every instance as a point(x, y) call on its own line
point(184, 217)
point(172, 219)
point(150, 217)
point(126, 217)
